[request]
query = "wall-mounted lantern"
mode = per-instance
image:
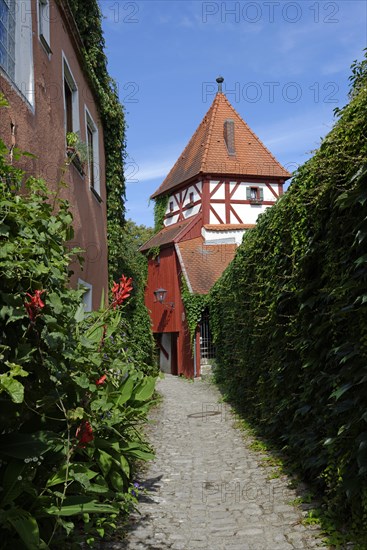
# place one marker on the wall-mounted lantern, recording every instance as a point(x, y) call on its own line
point(160, 295)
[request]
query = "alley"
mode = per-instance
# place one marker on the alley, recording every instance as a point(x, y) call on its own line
point(207, 489)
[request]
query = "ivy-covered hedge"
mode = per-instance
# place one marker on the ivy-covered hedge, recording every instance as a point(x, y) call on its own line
point(289, 316)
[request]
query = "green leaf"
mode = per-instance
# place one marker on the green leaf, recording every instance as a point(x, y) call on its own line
point(80, 313)
point(145, 389)
point(125, 466)
point(76, 414)
point(82, 380)
point(55, 300)
point(13, 387)
point(137, 450)
point(26, 526)
point(340, 391)
point(126, 391)
point(81, 505)
point(105, 461)
point(117, 481)
point(76, 472)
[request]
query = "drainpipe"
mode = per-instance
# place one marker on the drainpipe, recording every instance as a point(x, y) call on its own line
point(195, 356)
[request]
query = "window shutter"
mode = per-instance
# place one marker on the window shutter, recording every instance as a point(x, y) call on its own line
point(248, 193)
point(261, 193)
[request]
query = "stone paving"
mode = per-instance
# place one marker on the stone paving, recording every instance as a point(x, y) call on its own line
point(206, 488)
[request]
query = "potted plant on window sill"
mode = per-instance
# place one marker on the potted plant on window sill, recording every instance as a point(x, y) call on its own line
point(77, 151)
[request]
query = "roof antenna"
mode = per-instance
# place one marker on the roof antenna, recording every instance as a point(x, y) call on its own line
point(220, 81)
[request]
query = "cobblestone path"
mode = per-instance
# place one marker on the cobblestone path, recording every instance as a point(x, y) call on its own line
point(206, 488)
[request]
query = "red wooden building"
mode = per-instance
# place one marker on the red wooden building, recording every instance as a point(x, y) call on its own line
point(223, 180)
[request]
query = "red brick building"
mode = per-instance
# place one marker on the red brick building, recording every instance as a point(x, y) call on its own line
point(223, 180)
point(43, 77)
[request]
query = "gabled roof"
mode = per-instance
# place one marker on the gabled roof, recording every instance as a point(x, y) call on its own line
point(173, 233)
point(207, 152)
point(203, 264)
point(167, 235)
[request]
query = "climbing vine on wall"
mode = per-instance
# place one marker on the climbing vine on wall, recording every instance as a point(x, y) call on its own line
point(121, 256)
point(289, 316)
point(88, 17)
point(194, 307)
point(160, 208)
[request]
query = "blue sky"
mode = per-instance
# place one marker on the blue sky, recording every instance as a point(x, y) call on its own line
point(285, 64)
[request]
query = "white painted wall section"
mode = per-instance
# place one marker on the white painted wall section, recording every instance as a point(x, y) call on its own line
point(211, 236)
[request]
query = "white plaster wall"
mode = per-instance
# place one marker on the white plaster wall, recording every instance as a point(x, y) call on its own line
point(248, 213)
point(221, 211)
point(171, 220)
point(192, 211)
point(192, 189)
point(211, 235)
point(175, 198)
point(220, 192)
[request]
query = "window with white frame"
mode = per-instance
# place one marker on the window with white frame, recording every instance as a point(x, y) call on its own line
point(16, 52)
point(44, 24)
point(7, 37)
point(71, 102)
point(87, 296)
point(93, 153)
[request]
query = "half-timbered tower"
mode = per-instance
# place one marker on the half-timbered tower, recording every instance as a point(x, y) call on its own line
point(216, 190)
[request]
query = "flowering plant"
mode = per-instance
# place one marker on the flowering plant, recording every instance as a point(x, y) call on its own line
point(73, 395)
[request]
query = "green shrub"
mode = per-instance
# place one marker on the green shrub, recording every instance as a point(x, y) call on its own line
point(289, 316)
point(72, 393)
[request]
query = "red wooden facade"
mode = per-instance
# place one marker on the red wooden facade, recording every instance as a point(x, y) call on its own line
point(165, 272)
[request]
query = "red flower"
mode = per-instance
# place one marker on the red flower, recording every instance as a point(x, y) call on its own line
point(121, 291)
point(101, 380)
point(84, 433)
point(35, 305)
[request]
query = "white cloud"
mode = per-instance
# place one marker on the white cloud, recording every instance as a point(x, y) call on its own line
point(300, 134)
point(148, 170)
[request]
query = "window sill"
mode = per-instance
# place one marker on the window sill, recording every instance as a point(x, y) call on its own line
point(75, 160)
point(256, 201)
point(96, 195)
point(45, 45)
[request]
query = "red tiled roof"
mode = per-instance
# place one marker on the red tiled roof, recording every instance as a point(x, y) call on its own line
point(173, 233)
point(203, 264)
point(166, 235)
point(206, 152)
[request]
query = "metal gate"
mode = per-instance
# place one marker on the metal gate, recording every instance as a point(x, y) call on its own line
point(207, 348)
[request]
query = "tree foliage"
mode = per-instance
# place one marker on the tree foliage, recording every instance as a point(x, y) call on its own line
point(289, 315)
